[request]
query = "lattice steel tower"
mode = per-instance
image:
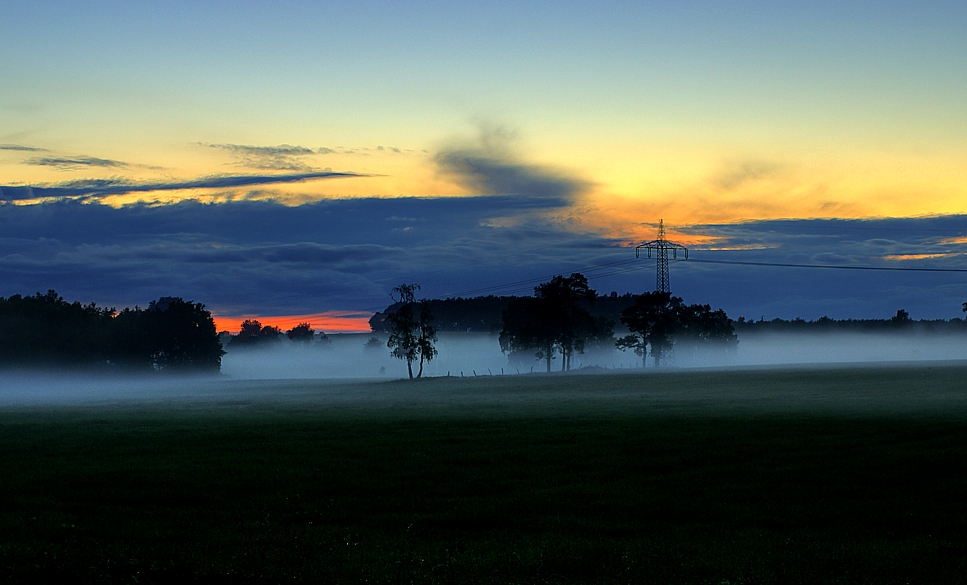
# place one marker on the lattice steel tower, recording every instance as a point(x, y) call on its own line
point(661, 247)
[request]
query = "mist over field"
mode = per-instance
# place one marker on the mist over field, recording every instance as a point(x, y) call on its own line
point(478, 354)
point(342, 372)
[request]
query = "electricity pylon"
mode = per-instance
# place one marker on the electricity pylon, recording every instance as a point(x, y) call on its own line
point(661, 246)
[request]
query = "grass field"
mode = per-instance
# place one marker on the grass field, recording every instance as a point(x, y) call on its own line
point(845, 475)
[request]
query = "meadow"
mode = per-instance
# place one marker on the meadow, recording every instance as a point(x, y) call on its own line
point(849, 474)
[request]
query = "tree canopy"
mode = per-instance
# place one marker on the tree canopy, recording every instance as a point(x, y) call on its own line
point(411, 332)
point(171, 335)
point(657, 320)
point(555, 320)
point(253, 334)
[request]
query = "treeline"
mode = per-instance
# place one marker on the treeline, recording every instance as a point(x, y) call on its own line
point(254, 335)
point(565, 317)
point(899, 323)
point(486, 314)
point(170, 335)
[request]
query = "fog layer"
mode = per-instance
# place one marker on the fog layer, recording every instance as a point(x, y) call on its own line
point(478, 354)
point(338, 372)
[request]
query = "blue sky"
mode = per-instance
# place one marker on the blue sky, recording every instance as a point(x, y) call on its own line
point(294, 159)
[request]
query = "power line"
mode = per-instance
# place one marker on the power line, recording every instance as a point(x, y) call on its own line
point(831, 266)
point(526, 284)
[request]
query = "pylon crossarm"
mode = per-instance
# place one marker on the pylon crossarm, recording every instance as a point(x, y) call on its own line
point(662, 246)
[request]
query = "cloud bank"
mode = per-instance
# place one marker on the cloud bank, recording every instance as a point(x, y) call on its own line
point(264, 258)
point(94, 188)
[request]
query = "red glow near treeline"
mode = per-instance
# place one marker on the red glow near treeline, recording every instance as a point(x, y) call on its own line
point(328, 322)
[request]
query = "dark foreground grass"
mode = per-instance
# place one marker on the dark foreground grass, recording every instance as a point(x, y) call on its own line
point(270, 494)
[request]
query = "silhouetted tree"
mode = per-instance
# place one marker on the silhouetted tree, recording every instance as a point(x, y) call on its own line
point(651, 320)
point(249, 332)
point(411, 335)
point(527, 328)
point(301, 333)
point(252, 334)
point(182, 336)
point(700, 324)
point(171, 335)
point(657, 320)
point(901, 318)
point(44, 329)
point(572, 323)
point(427, 336)
point(555, 319)
point(636, 342)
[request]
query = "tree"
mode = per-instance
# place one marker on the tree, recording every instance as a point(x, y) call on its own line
point(301, 333)
point(252, 333)
point(427, 337)
point(652, 320)
point(182, 336)
point(572, 324)
point(249, 332)
point(411, 336)
point(657, 320)
point(902, 318)
point(554, 320)
point(526, 327)
point(701, 329)
point(170, 335)
point(700, 324)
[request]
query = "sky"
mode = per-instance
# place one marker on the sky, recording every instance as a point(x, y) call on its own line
point(296, 162)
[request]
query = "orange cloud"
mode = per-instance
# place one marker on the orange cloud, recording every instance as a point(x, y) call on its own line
point(920, 256)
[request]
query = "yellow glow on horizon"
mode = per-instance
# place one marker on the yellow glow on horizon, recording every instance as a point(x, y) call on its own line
point(630, 186)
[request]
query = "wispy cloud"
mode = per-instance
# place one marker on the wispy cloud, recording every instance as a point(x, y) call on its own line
point(735, 175)
point(22, 148)
point(69, 163)
point(283, 157)
point(105, 187)
point(280, 150)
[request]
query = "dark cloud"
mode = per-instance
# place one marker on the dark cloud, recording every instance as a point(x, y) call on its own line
point(787, 292)
point(265, 258)
point(93, 188)
point(283, 157)
point(488, 166)
point(74, 162)
point(257, 256)
point(20, 147)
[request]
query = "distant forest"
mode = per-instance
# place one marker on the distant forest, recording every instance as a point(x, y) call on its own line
point(485, 314)
point(170, 335)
